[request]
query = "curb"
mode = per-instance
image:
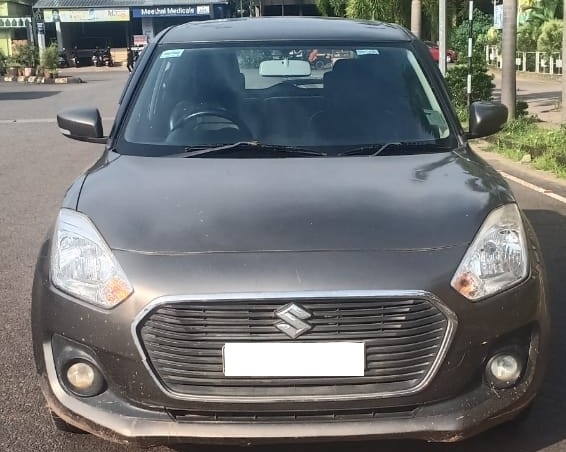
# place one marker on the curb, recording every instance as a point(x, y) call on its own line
point(44, 80)
point(525, 171)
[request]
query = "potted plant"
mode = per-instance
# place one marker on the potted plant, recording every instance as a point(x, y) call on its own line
point(13, 66)
point(3, 61)
point(49, 60)
point(28, 58)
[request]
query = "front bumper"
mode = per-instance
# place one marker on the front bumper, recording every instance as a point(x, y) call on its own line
point(457, 403)
point(452, 420)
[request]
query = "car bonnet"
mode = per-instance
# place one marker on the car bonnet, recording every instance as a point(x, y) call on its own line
point(176, 205)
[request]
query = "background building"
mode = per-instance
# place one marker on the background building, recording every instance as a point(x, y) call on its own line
point(115, 22)
point(15, 23)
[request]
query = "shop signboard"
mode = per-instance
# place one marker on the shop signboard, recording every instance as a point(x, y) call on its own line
point(140, 40)
point(171, 11)
point(86, 15)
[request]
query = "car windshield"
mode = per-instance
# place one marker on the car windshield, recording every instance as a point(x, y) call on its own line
point(313, 97)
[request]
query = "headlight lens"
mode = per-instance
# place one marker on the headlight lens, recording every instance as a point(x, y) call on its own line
point(83, 265)
point(496, 259)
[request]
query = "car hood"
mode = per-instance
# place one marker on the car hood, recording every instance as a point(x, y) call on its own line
point(191, 205)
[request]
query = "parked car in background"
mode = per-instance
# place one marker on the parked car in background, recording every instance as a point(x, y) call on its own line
point(451, 55)
point(270, 253)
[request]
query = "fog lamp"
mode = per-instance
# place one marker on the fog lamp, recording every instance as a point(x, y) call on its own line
point(80, 375)
point(84, 379)
point(504, 370)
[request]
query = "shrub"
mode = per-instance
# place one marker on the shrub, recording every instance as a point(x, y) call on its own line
point(49, 57)
point(524, 136)
point(27, 55)
point(3, 63)
point(457, 81)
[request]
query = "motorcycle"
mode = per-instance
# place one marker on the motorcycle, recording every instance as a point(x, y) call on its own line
point(107, 58)
point(62, 60)
point(97, 58)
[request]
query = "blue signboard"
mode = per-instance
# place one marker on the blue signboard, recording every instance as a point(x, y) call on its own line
point(171, 11)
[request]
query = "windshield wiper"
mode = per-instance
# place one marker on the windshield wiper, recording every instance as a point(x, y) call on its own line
point(397, 146)
point(198, 151)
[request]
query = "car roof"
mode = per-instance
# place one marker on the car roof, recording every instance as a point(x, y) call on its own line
point(285, 29)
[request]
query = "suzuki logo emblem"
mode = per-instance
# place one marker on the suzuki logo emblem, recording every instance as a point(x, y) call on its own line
point(293, 324)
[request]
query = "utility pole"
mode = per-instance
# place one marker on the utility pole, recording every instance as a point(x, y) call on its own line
point(470, 50)
point(564, 67)
point(442, 36)
point(509, 54)
point(416, 10)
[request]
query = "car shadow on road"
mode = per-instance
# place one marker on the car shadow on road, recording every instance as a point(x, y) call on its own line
point(27, 95)
point(545, 425)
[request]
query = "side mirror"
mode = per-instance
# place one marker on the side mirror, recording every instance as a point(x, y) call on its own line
point(486, 118)
point(83, 124)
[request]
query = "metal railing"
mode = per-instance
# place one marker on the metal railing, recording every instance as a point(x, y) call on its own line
point(535, 62)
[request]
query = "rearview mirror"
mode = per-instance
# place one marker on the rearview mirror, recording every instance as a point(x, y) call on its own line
point(83, 124)
point(285, 68)
point(486, 118)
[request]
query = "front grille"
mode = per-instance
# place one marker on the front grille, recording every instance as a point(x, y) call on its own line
point(403, 337)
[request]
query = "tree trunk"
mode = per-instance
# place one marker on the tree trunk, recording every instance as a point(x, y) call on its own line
point(509, 47)
point(416, 12)
point(564, 67)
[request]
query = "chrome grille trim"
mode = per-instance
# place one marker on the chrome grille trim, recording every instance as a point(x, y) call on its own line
point(451, 318)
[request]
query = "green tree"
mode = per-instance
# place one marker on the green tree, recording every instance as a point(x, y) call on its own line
point(397, 11)
point(332, 8)
point(458, 38)
point(527, 36)
point(550, 39)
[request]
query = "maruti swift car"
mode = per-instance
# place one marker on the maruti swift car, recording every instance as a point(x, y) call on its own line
point(267, 252)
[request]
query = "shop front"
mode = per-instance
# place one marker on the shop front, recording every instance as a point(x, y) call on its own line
point(115, 23)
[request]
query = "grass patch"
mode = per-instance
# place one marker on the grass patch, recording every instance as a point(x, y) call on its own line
point(524, 136)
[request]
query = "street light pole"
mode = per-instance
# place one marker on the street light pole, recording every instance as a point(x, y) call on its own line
point(470, 50)
point(442, 36)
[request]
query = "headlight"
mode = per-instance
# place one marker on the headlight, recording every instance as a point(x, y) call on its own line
point(496, 259)
point(82, 264)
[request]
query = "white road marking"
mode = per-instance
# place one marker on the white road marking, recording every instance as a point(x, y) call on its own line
point(534, 187)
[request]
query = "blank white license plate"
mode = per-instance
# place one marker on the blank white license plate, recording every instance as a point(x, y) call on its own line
point(299, 359)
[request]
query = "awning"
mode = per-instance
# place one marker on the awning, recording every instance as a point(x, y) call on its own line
point(82, 4)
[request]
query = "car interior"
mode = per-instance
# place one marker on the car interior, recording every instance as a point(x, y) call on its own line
point(209, 97)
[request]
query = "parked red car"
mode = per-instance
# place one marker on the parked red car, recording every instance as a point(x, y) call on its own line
point(451, 55)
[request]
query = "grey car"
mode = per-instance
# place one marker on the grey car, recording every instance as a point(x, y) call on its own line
point(270, 252)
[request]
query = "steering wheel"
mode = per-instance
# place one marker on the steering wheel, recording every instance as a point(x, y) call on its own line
point(217, 112)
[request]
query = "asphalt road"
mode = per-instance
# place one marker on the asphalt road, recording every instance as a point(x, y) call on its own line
point(543, 94)
point(37, 164)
